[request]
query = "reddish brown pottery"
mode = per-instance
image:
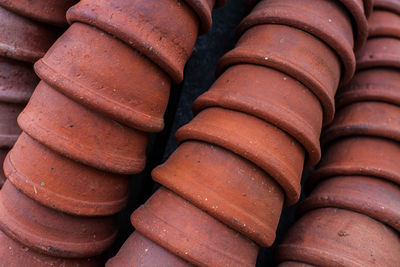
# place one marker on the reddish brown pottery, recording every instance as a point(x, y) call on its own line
point(338, 237)
point(272, 96)
point(141, 251)
point(293, 52)
point(384, 23)
point(124, 85)
point(326, 20)
point(294, 264)
point(48, 11)
point(51, 232)
point(379, 199)
point(9, 129)
point(391, 5)
point(81, 134)
point(3, 153)
point(63, 184)
point(268, 147)
point(190, 233)
point(226, 186)
point(379, 52)
point(359, 10)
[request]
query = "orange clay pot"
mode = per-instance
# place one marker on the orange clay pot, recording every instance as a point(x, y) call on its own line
point(384, 23)
point(190, 233)
point(51, 232)
point(141, 251)
point(9, 129)
point(293, 52)
point(272, 96)
point(81, 134)
point(226, 186)
point(337, 237)
point(63, 184)
point(379, 52)
point(124, 86)
point(256, 140)
point(391, 5)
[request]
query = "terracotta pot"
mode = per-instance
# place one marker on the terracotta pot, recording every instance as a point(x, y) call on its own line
point(379, 52)
point(337, 237)
point(365, 118)
point(141, 251)
point(260, 142)
point(17, 81)
point(294, 264)
point(163, 30)
point(81, 134)
point(376, 198)
point(9, 129)
point(3, 153)
point(370, 156)
point(190, 233)
point(326, 20)
point(63, 184)
point(48, 11)
point(384, 23)
point(51, 232)
point(391, 5)
point(293, 52)
point(124, 86)
point(272, 96)
point(368, 7)
point(24, 39)
point(203, 9)
point(380, 84)
point(226, 186)
point(14, 254)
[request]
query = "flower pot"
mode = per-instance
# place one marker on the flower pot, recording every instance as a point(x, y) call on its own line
point(365, 118)
point(272, 96)
point(326, 20)
point(51, 232)
point(256, 140)
point(48, 11)
point(9, 129)
point(376, 198)
point(190, 233)
point(226, 186)
point(81, 134)
point(294, 52)
point(17, 81)
point(63, 184)
point(3, 153)
point(379, 52)
point(163, 30)
point(337, 237)
point(391, 5)
point(203, 9)
point(24, 39)
point(380, 84)
point(141, 251)
point(124, 85)
point(384, 23)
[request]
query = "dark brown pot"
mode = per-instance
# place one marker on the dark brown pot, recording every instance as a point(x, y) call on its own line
point(384, 23)
point(147, 26)
point(190, 233)
point(379, 52)
point(391, 5)
point(337, 237)
point(17, 81)
point(281, 156)
point(9, 129)
point(48, 11)
point(24, 39)
point(51, 232)
point(379, 199)
point(63, 184)
point(3, 153)
point(124, 85)
point(272, 96)
point(293, 52)
point(81, 134)
point(226, 186)
point(141, 251)
point(326, 20)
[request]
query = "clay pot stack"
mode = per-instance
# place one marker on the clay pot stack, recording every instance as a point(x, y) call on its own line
point(352, 216)
point(241, 158)
point(104, 87)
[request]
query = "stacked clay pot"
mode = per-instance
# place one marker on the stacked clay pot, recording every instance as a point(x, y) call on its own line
point(241, 158)
point(104, 87)
point(352, 216)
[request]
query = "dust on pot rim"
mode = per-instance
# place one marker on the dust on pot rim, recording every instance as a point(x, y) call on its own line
point(9, 130)
point(384, 23)
point(379, 52)
point(63, 184)
point(190, 233)
point(52, 232)
point(390, 5)
point(272, 96)
point(82, 134)
point(326, 20)
point(293, 52)
point(147, 26)
point(108, 76)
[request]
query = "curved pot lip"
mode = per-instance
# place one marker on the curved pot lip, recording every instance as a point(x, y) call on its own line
point(368, 7)
point(390, 5)
point(383, 23)
point(370, 58)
